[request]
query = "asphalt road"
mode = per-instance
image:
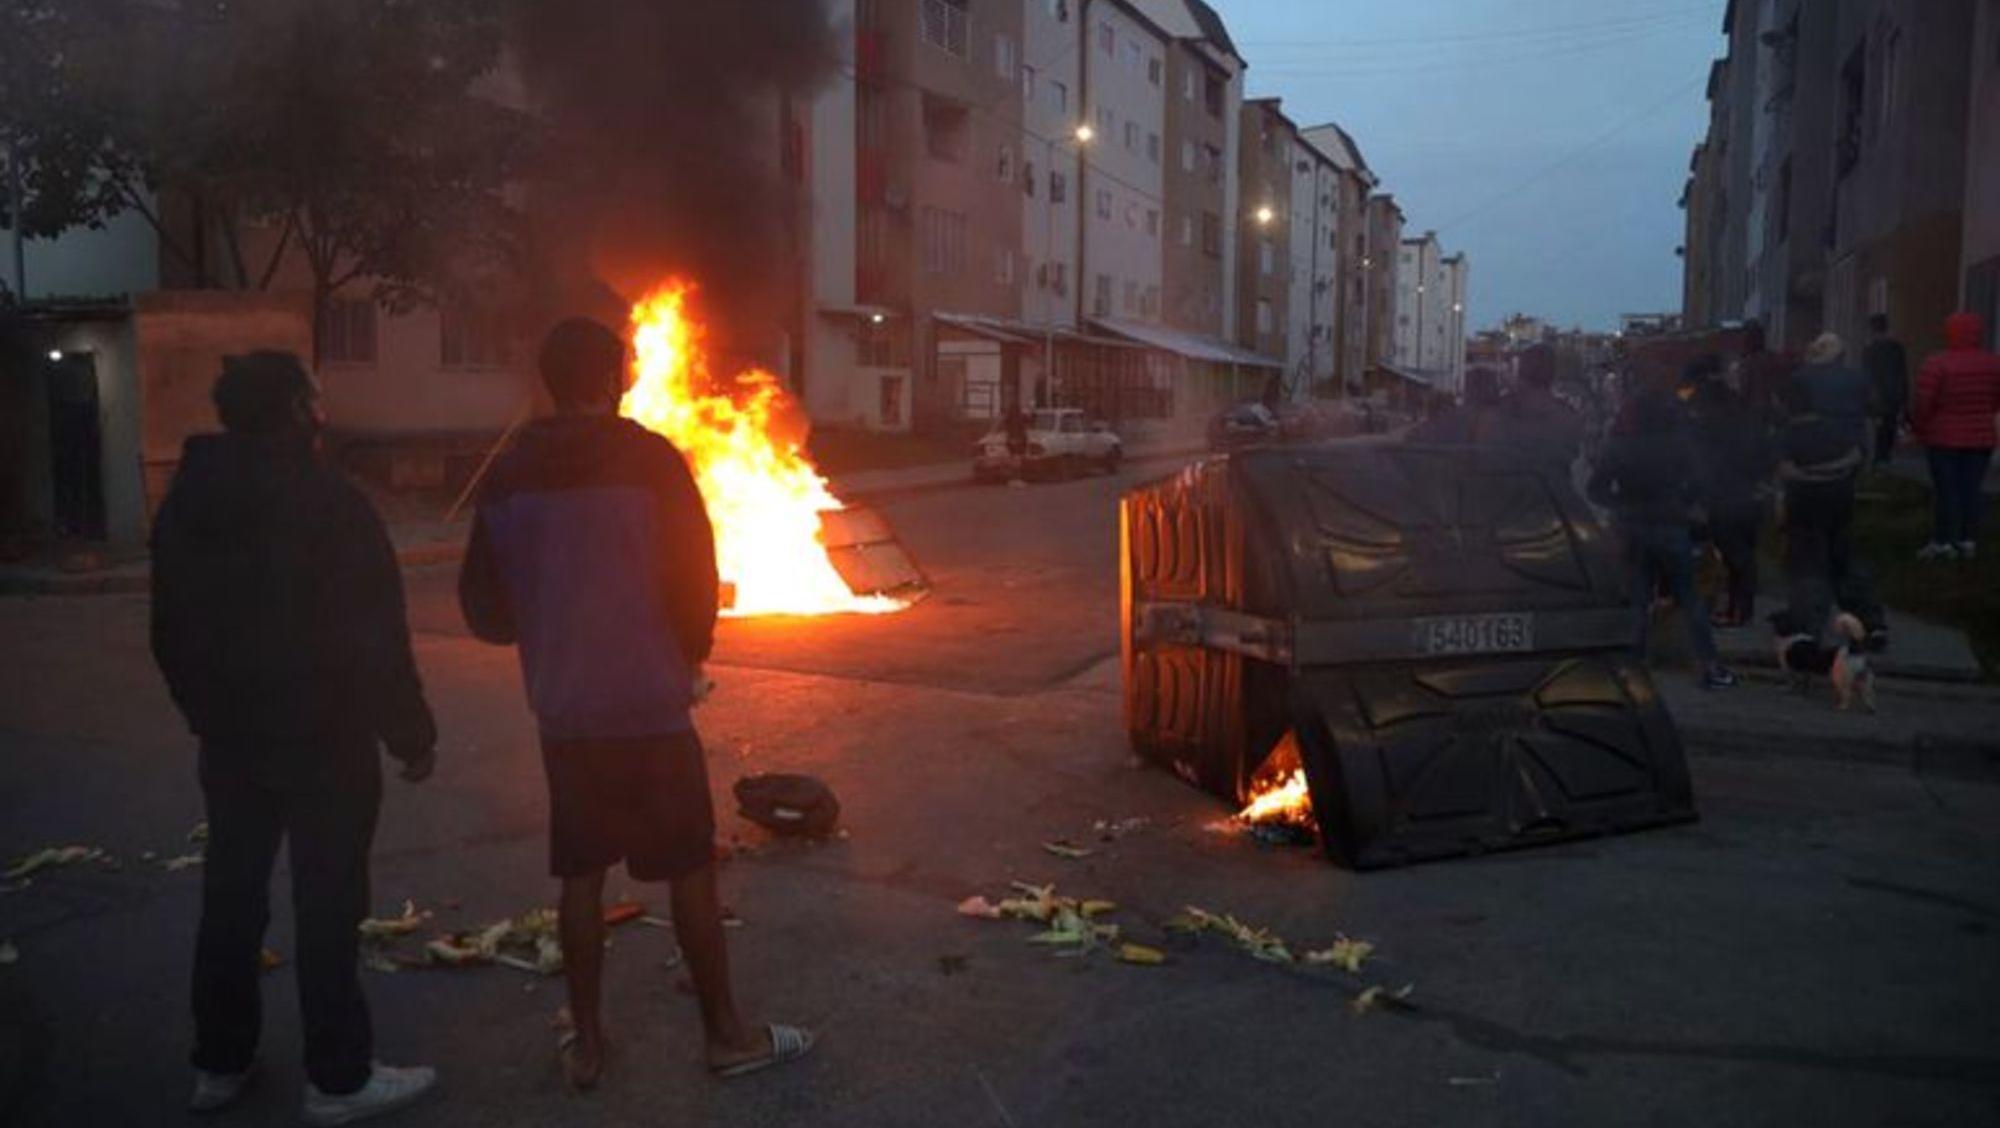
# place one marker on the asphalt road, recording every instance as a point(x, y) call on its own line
point(1819, 949)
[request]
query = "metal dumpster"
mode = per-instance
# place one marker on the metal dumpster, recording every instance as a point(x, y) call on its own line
point(1443, 629)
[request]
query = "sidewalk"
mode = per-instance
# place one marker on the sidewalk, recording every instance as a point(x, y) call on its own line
point(418, 543)
point(1924, 726)
point(1918, 648)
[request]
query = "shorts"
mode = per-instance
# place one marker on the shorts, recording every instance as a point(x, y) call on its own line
point(641, 801)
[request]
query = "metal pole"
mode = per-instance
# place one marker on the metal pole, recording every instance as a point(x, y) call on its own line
point(17, 221)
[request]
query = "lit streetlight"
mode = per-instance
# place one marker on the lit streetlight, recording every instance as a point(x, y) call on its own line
point(1265, 215)
point(1084, 133)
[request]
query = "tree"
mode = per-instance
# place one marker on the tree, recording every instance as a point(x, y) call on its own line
point(357, 135)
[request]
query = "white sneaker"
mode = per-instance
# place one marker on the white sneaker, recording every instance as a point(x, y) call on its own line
point(1968, 550)
point(214, 1092)
point(389, 1088)
point(1936, 551)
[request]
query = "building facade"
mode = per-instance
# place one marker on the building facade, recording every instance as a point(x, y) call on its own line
point(1980, 255)
point(1263, 259)
point(1379, 265)
point(1313, 313)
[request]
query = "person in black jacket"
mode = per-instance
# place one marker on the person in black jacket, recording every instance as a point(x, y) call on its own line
point(1648, 478)
point(1887, 363)
point(278, 623)
point(1737, 458)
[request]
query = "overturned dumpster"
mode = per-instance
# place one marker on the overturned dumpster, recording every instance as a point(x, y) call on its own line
point(1440, 634)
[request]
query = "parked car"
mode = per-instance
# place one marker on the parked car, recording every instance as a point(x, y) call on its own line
point(1243, 425)
point(1061, 441)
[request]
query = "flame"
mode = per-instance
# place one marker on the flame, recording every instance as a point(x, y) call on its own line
point(763, 494)
point(1278, 792)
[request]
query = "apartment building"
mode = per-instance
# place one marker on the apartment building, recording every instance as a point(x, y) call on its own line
point(1980, 286)
point(1419, 274)
point(1457, 277)
point(1195, 274)
point(1354, 181)
point(1263, 260)
point(1379, 267)
point(1124, 175)
point(1315, 245)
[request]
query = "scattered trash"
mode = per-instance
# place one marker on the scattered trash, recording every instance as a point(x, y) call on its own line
point(1279, 834)
point(1063, 848)
point(675, 960)
point(1131, 953)
point(199, 834)
point(952, 965)
point(1377, 995)
point(389, 928)
point(1070, 921)
point(268, 960)
point(183, 861)
point(730, 919)
point(798, 806)
point(656, 922)
point(52, 857)
point(1260, 943)
point(1344, 954)
point(622, 912)
point(9, 954)
point(526, 943)
point(1111, 830)
point(379, 961)
point(978, 906)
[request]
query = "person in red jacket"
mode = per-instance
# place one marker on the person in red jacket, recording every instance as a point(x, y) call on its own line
point(1958, 395)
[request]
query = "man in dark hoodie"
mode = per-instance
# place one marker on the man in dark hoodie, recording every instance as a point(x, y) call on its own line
point(592, 549)
point(278, 622)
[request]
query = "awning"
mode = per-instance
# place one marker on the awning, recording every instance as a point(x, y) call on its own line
point(872, 312)
point(999, 329)
point(1194, 346)
point(1410, 374)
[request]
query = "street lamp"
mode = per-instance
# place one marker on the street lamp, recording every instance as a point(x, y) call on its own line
point(55, 356)
point(1265, 215)
point(1084, 133)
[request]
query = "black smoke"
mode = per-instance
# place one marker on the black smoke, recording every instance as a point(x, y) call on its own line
point(664, 151)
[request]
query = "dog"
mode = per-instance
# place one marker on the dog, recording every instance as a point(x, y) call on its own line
point(1845, 664)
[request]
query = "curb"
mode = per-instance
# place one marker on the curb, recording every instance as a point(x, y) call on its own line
point(1923, 754)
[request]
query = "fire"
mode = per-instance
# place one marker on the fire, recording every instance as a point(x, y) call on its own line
point(1278, 793)
point(763, 494)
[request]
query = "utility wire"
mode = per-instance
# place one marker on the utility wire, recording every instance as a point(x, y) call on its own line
point(1495, 37)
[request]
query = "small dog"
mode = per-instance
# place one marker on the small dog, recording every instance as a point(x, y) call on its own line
point(1844, 664)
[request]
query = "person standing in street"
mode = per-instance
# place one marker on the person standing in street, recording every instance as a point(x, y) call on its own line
point(1736, 460)
point(1888, 367)
point(278, 622)
point(592, 550)
point(1648, 479)
point(1836, 393)
point(1958, 394)
point(1821, 456)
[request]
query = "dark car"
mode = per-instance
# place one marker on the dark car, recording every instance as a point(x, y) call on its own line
point(1243, 425)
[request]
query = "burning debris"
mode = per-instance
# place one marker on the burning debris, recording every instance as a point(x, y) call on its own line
point(741, 437)
point(1279, 798)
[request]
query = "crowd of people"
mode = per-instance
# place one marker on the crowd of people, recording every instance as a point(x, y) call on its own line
point(1726, 448)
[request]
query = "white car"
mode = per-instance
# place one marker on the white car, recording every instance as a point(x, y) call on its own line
point(1060, 441)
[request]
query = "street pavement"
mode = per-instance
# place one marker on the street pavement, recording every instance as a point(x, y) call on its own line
point(1820, 948)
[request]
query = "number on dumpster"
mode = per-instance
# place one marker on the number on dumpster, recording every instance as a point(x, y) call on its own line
point(1475, 634)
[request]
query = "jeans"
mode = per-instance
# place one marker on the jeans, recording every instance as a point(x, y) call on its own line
point(1958, 478)
point(330, 822)
point(1666, 553)
point(1887, 426)
point(1735, 525)
point(1819, 540)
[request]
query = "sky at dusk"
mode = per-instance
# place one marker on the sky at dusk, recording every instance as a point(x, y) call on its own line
point(1547, 139)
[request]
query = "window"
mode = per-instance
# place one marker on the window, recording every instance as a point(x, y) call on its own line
point(1853, 94)
point(944, 240)
point(1027, 86)
point(1187, 231)
point(943, 24)
point(1134, 57)
point(1131, 217)
point(1263, 315)
point(1003, 167)
point(881, 345)
point(1003, 56)
point(1059, 277)
point(1187, 156)
point(1212, 158)
point(1152, 221)
point(1003, 266)
point(1059, 10)
point(1107, 40)
point(347, 332)
point(1131, 296)
point(1211, 234)
point(1266, 257)
point(1104, 203)
point(1101, 302)
point(1149, 301)
point(1059, 95)
point(1028, 179)
point(1131, 136)
point(947, 129)
point(1058, 187)
point(1892, 76)
point(1153, 147)
point(1104, 122)
point(1156, 70)
point(1187, 85)
point(1211, 94)
point(469, 338)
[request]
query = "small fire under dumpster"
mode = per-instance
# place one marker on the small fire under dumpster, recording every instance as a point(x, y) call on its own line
point(1439, 634)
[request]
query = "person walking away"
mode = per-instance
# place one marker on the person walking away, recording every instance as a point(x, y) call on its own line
point(1958, 394)
point(1736, 459)
point(591, 548)
point(1820, 459)
point(278, 622)
point(1888, 366)
point(1647, 479)
point(1836, 392)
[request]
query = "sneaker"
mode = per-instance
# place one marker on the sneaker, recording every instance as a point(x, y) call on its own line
point(214, 1092)
point(1936, 551)
point(1968, 550)
point(389, 1088)
point(1719, 677)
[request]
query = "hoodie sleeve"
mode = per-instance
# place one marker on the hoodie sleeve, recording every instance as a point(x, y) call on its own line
point(692, 594)
point(175, 632)
point(401, 716)
point(482, 590)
